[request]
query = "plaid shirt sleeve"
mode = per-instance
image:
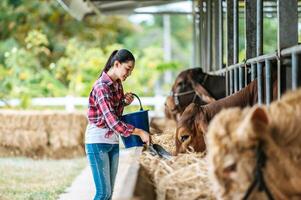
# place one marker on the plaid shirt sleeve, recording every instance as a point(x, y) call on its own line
point(104, 104)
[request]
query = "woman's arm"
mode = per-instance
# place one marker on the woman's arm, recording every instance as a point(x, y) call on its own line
point(142, 134)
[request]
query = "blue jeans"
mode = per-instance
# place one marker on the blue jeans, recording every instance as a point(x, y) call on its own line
point(103, 159)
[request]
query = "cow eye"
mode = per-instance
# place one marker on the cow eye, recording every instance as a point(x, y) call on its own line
point(182, 85)
point(230, 168)
point(184, 137)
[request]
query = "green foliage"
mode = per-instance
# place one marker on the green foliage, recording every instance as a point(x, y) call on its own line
point(44, 52)
point(162, 67)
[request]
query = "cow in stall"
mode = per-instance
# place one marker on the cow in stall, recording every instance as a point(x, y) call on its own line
point(194, 121)
point(193, 86)
point(258, 147)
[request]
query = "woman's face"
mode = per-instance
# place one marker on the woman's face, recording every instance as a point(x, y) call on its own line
point(125, 69)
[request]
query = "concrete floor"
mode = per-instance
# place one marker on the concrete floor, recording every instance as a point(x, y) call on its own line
point(83, 186)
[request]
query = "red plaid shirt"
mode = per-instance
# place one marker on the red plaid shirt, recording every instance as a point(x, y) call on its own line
point(106, 106)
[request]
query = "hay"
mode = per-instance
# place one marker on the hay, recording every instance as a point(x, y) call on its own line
point(183, 177)
point(165, 140)
point(42, 133)
point(162, 125)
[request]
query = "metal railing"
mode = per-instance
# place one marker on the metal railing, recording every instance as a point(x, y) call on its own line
point(249, 67)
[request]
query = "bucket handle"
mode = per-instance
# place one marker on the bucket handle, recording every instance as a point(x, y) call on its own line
point(138, 100)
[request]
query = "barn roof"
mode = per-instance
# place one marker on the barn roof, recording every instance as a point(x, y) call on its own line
point(81, 8)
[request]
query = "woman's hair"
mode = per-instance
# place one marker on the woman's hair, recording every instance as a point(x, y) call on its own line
point(122, 56)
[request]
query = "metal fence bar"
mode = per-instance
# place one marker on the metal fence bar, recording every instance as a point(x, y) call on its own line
point(221, 31)
point(241, 77)
point(227, 83)
point(259, 82)
point(246, 76)
point(259, 34)
point(295, 71)
point(235, 32)
point(268, 82)
point(231, 82)
point(290, 50)
point(235, 79)
point(251, 28)
point(287, 33)
point(229, 32)
point(209, 35)
point(262, 58)
point(253, 72)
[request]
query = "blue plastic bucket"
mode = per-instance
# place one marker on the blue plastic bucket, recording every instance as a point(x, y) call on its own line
point(138, 119)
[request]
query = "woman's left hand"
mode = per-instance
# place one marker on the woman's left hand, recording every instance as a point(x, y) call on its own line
point(128, 98)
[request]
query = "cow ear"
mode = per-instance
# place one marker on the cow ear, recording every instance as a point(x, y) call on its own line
point(203, 93)
point(258, 114)
point(254, 123)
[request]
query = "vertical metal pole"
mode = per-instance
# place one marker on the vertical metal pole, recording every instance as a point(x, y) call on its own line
point(259, 47)
point(235, 79)
point(204, 41)
point(231, 81)
point(195, 54)
point(250, 35)
point(235, 42)
point(215, 37)
point(220, 35)
point(268, 82)
point(246, 76)
point(241, 77)
point(287, 12)
point(253, 72)
point(251, 28)
point(259, 82)
point(230, 51)
point(259, 22)
point(209, 34)
point(201, 34)
point(296, 72)
point(227, 83)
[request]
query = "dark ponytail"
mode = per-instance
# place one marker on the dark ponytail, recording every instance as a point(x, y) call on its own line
point(122, 56)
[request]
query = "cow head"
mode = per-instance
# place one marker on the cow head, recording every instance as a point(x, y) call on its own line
point(190, 130)
point(232, 138)
point(186, 89)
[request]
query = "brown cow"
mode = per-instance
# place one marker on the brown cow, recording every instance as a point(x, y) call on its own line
point(236, 140)
point(193, 85)
point(195, 119)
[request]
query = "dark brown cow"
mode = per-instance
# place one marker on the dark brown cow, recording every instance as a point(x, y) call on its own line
point(194, 121)
point(193, 85)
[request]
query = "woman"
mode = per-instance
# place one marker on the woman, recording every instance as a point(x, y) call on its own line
point(106, 103)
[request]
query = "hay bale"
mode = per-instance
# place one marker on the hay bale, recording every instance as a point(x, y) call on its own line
point(66, 129)
point(42, 133)
point(23, 139)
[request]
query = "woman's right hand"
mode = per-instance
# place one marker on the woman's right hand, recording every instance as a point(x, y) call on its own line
point(142, 134)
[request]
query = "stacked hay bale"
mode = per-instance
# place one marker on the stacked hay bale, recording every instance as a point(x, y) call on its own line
point(183, 177)
point(42, 133)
